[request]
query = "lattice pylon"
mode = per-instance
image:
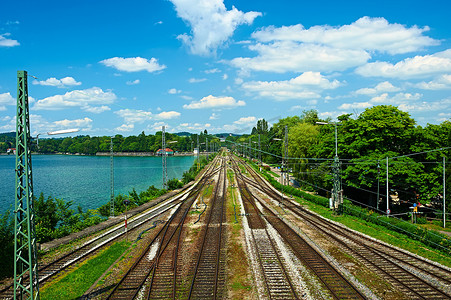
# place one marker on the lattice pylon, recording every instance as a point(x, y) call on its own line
point(25, 257)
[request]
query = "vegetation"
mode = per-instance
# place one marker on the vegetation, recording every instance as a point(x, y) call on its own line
point(141, 143)
point(73, 285)
point(364, 143)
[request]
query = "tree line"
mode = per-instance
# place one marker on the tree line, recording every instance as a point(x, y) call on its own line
point(364, 143)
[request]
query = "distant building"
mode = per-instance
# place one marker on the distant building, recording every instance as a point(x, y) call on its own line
point(196, 151)
point(11, 150)
point(169, 152)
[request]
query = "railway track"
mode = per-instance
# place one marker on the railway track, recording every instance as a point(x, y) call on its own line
point(414, 276)
point(278, 283)
point(154, 274)
point(92, 246)
point(209, 273)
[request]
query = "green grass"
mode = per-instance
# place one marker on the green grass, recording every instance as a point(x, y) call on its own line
point(274, 174)
point(74, 283)
point(381, 233)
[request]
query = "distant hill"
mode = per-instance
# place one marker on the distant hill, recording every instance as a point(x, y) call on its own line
point(8, 134)
point(183, 133)
point(224, 135)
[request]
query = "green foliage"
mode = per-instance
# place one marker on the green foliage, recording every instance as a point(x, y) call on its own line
point(6, 245)
point(174, 184)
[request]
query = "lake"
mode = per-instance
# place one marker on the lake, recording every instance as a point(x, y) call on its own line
point(85, 180)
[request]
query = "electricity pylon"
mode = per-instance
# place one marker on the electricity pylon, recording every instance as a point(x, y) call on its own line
point(25, 257)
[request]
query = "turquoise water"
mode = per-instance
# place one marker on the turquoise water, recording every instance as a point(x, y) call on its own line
point(85, 180)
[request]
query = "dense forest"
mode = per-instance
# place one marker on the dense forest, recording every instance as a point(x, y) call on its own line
point(91, 145)
point(364, 143)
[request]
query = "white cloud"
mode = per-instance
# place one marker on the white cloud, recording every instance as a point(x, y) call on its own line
point(373, 34)
point(133, 64)
point(166, 115)
point(6, 42)
point(355, 105)
point(225, 76)
point(136, 81)
point(83, 123)
point(196, 80)
point(245, 121)
point(174, 91)
point(288, 56)
point(187, 97)
point(96, 109)
point(306, 85)
point(238, 80)
point(61, 83)
point(158, 126)
point(8, 124)
point(379, 88)
point(214, 116)
point(77, 98)
point(418, 66)
point(214, 102)
point(134, 115)
point(396, 99)
point(442, 82)
point(441, 105)
point(193, 127)
point(125, 127)
point(6, 99)
point(140, 116)
point(212, 71)
point(39, 124)
point(211, 23)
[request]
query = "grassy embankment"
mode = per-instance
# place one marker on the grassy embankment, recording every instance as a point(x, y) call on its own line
point(74, 283)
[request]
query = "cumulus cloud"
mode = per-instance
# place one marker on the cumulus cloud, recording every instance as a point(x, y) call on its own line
point(440, 105)
point(414, 67)
point(61, 83)
point(125, 128)
point(6, 42)
point(134, 82)
point(396, 99)
point(140, 116)
point(245, 120)
point(133, 64)
point(288, 56)
point(373, 34)
point(193, 127)
point(166, 115)
point(379, 88)
point(442, 82)
point(6, 99)
point(225, 76)
point(214, 102)
point(96, 109)
point(326, 48)
point(39, 124)
point(78, 98)
point(306, 85)
point(355, 105)
point(211, 23)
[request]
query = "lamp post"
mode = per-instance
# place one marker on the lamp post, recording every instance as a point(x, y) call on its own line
point(64, 131)
point(337, 198)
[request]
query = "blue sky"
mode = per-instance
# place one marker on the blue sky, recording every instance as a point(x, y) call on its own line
point(123, 67)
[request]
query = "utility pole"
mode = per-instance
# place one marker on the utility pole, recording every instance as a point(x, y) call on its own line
point(206, 146)
point(259, 152)
point(285, 163)
point(198, 150)
point(444, 192)
point(112, 178)
point(378, 184)
point(163, 156)
point(388, 196)
point(25, 256)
